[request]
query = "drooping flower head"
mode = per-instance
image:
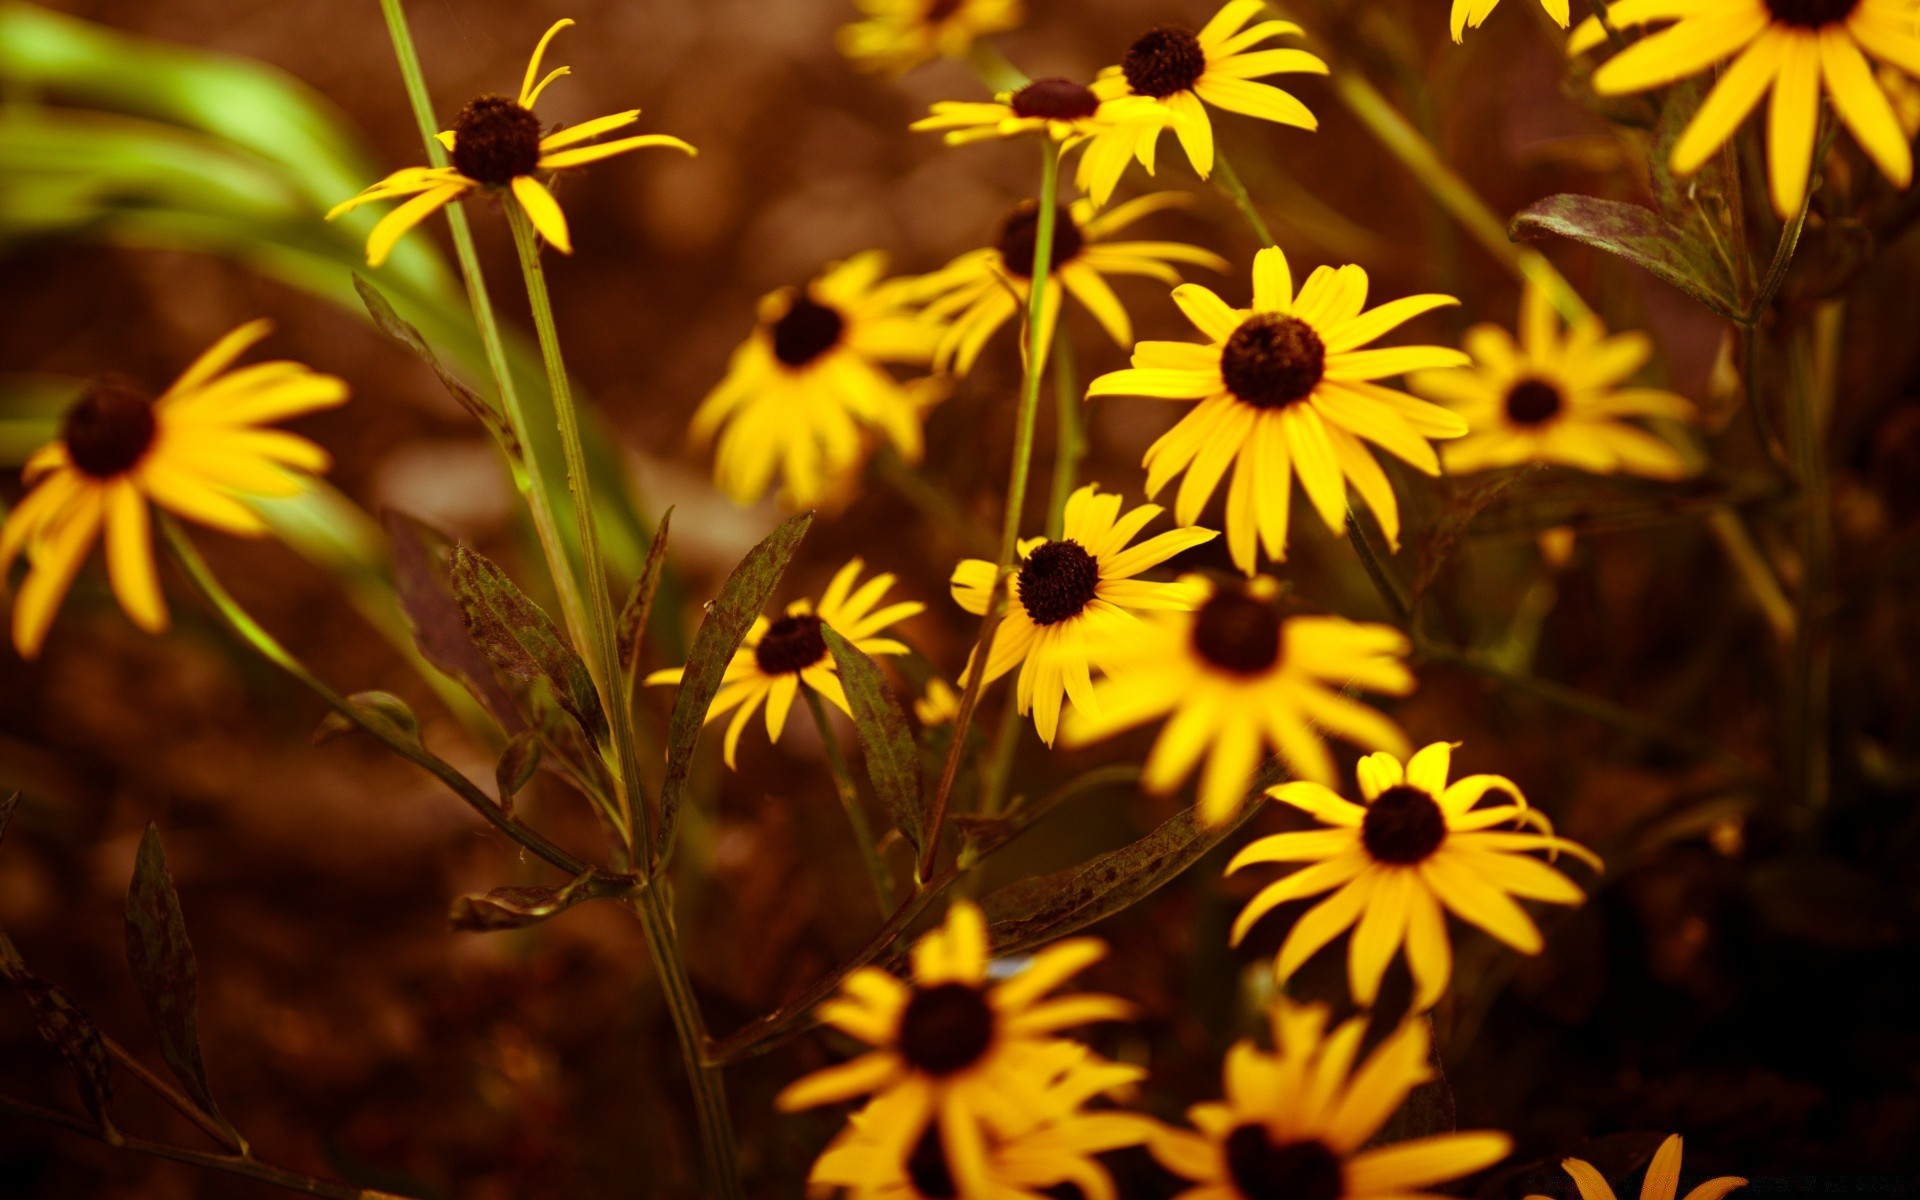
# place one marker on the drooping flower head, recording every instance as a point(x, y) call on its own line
point(895, 36)
point(1793, 48)
point(197, 451)
point(1235, 676)
point(978, 1061)
point(807, 391)
point(1070, 599)
point(1418, 848)
point(777, 657)
point(1286, 390)
point(497, 143)
point(1555, 398)
point(1662, 1181)
point(1293, 1121)
point(1185, 71)
point(984, 289)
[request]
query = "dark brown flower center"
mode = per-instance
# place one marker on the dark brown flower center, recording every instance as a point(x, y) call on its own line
point(1272, 361)
point(927, 1167)
point(1164, 60)
point(1057, 581)
point(1403, 825)
point(495, 140)
point(109, 430)
point(940, 11)
point(790, 644)
point(1811, 14)
point(1055, 100)
point(946, 1029)
point(1261, 1170)
point(1237, 632)
point(1020, 234)
point(808, 330)
point(1533, 402)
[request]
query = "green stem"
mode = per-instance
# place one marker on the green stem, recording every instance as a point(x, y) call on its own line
point(1228, 181)
point(1016, 496)
point(1813, 360)
point(1006, 740)
point(602, 654)
point(528, 474)
point(1370, 560)
point(850, 800)
point(1069, 435)
point(251, 632)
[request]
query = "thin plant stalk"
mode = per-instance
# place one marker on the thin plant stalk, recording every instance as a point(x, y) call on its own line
point(850, 800)
point(1813, 364)
point(1024, 423)
point(1228, 181)
point(1069, 434)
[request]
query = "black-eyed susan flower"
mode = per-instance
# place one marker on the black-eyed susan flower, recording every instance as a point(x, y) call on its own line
point(1185, 71)
point(978, 1061)
point(1417, 849)
point(1470, 13)
point(1233, 677)
point(938, 705)
point(1795, 48)
point(777, 657)
point(1662, 1181)
point(895, 36)
point(496, 143)
point(806, 389)
point(983, 289)
point(1069, 600)
point(1287, 391)
point(1555, 398)
point(1065, 111)
point(197, 451)
point(1292, 1122)
point(1028, 1165)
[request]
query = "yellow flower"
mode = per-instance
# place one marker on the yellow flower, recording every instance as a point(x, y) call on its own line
point(1069, 600)
point(777, 657)
point(1232, 677)
point(1473, 12)
point(802, 392)
point(1292, 1123)
point(1179, 69)
point(983, 289)
point(977, 1061)
point(1554, 398)
point(939, 705)
point(896, 36)
point(1285, 390)
point(1794, 48)
point(196, 451)
point(870, 1160)
point(1066, 112)
point(1417, 849)
point(496, 143)
point(1662, 1181)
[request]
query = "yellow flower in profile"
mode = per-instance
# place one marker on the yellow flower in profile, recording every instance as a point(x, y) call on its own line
point(777, 657)
point(1662, 1181)
point(1069, 600)
point(1065, 111)
point(803, 392)
point(1417, 849)
point(1233, 677)
point(1795, 48)
point(870, 1161)
point(976, 1061)
point(496, 143)
point(1293, 1122)
point(895, 36)
point(1185, 71)
point(197, 451)
point(1554, 398)
point(1285, 391)
point(983, 289)
point(1472, 12)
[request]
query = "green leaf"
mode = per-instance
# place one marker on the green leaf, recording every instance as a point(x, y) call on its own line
point(420, 575)
point(1639, 235)
point(397, 328)
point(893, 759)
point(67, 1028)
point(516, 766)
point(522, 640)
point(741, 599)
point(638, 610)
point(519, 907)
point(383, 709)
point(164, 972)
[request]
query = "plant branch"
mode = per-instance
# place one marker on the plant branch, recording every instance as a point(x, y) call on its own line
point(850, 800)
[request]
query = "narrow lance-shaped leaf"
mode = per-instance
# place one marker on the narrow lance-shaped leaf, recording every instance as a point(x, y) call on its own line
point(518, 907)
point(638, 610)
point(164, 971)
point(420, 576)
point(67, 1028)
point(893, 760)
point(381, 709)
point(1639, 235)
point(522, 640)
point(397, 327)
point(741, 599)
point(516, 766)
